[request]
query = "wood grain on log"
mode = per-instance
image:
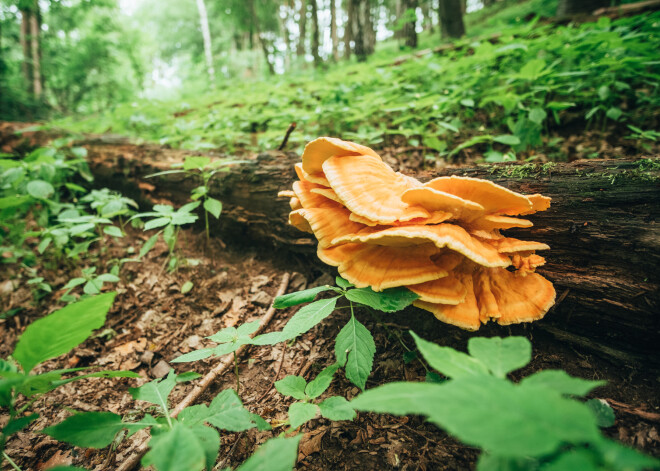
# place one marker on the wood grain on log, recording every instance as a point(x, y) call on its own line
point(602, 228)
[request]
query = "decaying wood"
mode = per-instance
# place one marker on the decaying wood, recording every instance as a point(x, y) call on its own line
point(603, 230)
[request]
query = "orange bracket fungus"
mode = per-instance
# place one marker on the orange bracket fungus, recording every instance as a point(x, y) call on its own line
point(440, 239)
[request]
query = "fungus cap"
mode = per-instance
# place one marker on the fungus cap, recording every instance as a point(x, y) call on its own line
point(321, 149)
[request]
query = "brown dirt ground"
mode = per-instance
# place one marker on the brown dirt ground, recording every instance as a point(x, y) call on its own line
point(151, 322)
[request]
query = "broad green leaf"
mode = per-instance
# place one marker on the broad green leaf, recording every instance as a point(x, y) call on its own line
point(209, 438)
point(389, 300)
point(537, 115)
point(355, 349)
point(293, 386)
point(189, 207)
point(532, 69)
point(18, 424)
point(277, 454)
point(501, 355)
point(187, 376)
point(508, 139)
point(14, 201)
point(301, 412)
point(148, 245)
point(521, 421)
point(261, 424)
point(449, 362)
point(40, 189)
point(342, 283)
point(94, 429)
point(602, 411)
point(580, 459)
point(337, 408)
point(73, 324)
point(113, 231)
point(299, 297)
point(158, 222)
point(213, 206)
point(194, 162)
point(561, 382)
point(156, 391)
point(247, 328)
point(226, 412)
point(195, 355)
point(617, 456)
point(614, 113)
point(186, 287)
point(318, 385)
point(177, 449)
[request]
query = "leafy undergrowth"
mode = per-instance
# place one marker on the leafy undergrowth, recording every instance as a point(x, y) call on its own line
point(526, 96)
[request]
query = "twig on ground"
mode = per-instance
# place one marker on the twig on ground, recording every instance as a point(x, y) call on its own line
point(226, 363)
point(221, 464)
point(627, 408)
point(289, 130)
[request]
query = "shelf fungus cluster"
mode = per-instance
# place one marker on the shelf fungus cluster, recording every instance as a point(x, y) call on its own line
point(440, 239)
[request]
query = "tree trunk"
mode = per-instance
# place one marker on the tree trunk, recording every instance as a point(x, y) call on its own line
point(451, 18)
point(302, 28)
point(602, 229)
point(206, 35)
point(574, 7)
point(35, 46)
point(428, 18)
point(369, 30)
point(26, 65)
point(348, 28)
point(333, 31)
point(409, 31)
point(358, 30)
point(315, 33)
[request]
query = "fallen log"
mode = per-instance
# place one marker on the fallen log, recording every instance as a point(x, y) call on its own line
point(602, 228)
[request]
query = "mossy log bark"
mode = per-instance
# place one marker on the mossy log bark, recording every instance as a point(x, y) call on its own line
point(602, 227)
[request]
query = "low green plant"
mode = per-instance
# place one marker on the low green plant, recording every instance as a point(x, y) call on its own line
point(46, 338)
point(93, 283)
point(540, 423)
point(169, 221)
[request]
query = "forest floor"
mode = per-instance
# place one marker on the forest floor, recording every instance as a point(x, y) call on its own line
point(151, 323)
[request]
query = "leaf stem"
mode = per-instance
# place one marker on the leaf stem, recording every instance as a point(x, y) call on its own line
point(11, 462)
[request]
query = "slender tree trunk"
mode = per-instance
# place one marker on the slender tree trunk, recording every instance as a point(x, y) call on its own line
point(409, 28)
point(26, 65)
point(206, 34)
point(285, 33)
point(302, 28)
point(573, 7)
point(451, 18)
point(358, 30)
point(368, 26)
point(35, 27)
point(315, 33)
point(348, 28)
point(333, 31)
point(428, 18)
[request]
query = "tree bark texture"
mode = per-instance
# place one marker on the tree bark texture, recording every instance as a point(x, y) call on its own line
point(333, 31)
point(315, 33)
point(348, 29)
point(451, 18)
point(409, 31)
point(206, 36)
point(603, 229)
point(574, 7)
point(302, 28)
point(24, 38)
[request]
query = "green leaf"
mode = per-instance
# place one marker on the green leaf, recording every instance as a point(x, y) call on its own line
point(261, 424)
point(337, 408)
point(177, 449)
point(94, 429)
point(148, 245)
point(187, 286)
point(501, 356)
point(355, 348)
point(73, 324)
point(532, 69)
point(209, 438)
point(521, 420)
point(226, 412)
point(299, 297)
point(449, 362)
point(14, 201)
point(508, 139)
point(293, 386)
point(157, 222)
point(614, 113)
point(318, 385)
point(620, 457)
point(194, 162)
point(561, 382)
point(18, 424)
point(40, 189)
point(389, 300)
point(469, 102)
point(603, 92)
point(537, 115)
point(213, 206)
point(195, 355)
point(602, 411)
point(342, 283)
point(277, 454)
point(113, 231)
point(156, 391)
point(301, 412)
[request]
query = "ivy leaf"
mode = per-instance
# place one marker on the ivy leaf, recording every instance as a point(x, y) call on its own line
point(501, 356)
point(299, 297)
point(73, 324)
point(448, 361)
point(277, 454)
point(301, 412)
point(337, 408)
point(355, 348)
point(561, 382)
point(389, 300)
point(293, 386)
